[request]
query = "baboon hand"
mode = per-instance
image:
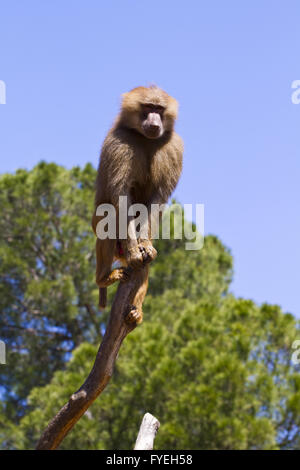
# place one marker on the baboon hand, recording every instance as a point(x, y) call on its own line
point(149, 253)
point(134, 257)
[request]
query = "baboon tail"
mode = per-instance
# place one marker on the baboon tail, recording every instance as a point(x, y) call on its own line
point(102, 297)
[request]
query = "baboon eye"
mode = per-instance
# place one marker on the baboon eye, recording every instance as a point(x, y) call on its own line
point(148, 108)
point(152, 108)
point(160, 109)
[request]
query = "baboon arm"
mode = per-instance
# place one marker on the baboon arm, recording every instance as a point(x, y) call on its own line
point(155, 207)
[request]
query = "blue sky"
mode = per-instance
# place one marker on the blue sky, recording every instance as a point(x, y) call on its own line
point(230, 64)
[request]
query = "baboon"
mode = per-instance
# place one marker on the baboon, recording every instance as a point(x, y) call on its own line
point(141, 158)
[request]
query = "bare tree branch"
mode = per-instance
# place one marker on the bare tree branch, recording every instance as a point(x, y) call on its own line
point(147, 433)
point(117, 329)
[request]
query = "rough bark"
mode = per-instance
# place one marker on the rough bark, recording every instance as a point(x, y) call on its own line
point(117, 329)
point(147, 433)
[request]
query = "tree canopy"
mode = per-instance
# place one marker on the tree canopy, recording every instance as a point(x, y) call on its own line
point(214, 369)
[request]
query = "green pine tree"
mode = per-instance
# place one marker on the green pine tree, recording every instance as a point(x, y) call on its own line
point(215, 370)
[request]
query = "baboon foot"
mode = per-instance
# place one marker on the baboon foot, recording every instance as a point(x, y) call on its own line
point(133, 315)
point(134, 257)
point(125, 274)
point(119, 274)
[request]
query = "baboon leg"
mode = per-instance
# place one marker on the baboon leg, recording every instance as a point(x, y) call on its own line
point(105, 276)
point(135, 312)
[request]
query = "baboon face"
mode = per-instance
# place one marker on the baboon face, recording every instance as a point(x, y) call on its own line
point(152, 120)
point(150, 111)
